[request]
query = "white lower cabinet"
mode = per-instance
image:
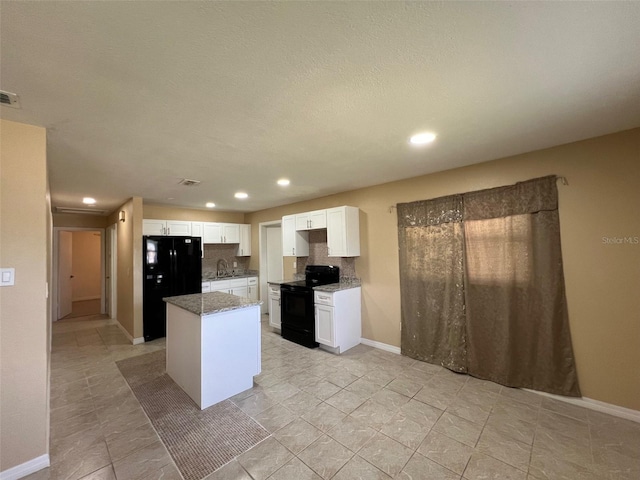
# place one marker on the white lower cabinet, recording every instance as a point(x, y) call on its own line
point(242, 287)
point(338, 318)
point(274, 305)
point(252, 288)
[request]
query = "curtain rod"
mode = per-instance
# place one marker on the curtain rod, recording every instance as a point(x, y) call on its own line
point(563, 180)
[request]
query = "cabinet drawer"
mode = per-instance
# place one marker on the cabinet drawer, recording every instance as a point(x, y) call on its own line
point(219, 285)
point(206, 287)
point(252, 281)
point(323, 298)
point(238, 282)
point(274, 290)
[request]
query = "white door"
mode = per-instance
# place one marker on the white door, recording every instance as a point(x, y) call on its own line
point(65, 276)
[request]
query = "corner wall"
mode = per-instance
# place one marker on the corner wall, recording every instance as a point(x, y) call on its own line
point(25, 244)
point(602, 279)
point(129, 313)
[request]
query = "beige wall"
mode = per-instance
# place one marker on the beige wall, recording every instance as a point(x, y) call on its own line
point(85, 259)
point(79, 220)
point(129, 266)
point(25, 244)
point(165, 212)
point(602, 280)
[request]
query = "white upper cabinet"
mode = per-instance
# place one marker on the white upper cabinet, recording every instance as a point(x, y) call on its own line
point(153, 227)
point(343, 232)
point(221, 233)
point(244, 248)
point(174, 228)
point(196, 229)
point(212, 233)
point(311, 220)
point(231, 233)
point(295, 243)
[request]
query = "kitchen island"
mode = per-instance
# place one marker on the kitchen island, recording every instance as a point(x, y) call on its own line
point(213, 345)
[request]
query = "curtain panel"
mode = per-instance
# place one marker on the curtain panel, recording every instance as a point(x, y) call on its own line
point(482, 286)
point(432, 271)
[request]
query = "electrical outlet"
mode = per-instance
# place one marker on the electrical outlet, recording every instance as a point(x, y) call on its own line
point(235, 264)
point(8, 277)
point(295, 264)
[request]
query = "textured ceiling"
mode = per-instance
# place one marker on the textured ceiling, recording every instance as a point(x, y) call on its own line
point(138, 95)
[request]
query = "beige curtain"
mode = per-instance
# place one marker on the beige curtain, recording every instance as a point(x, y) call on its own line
point(432, 271)
point(515, 327)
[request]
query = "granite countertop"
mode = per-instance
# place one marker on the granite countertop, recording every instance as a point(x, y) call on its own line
point(211, 276)
point(344, 284)
point(208, 303)
point(280, 282)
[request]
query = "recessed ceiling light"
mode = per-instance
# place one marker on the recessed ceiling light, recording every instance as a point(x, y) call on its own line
point(241, 195)
point(423, 138)
point(283, 182)
point(88, 200)
point(210, 205)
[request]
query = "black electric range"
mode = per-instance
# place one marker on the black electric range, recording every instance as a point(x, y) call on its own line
point(297, 315)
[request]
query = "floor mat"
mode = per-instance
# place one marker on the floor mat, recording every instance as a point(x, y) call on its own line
point(200, 441)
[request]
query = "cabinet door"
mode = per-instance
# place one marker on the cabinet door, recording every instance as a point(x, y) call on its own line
point(212, 233)
point(252, 293)
point(324, 325)
point(302, 221)
point(336, 234)
point(177, 228)
point(153, 227)
point(244, 248)
point(231, 233)
point(252, 287)
point(220, 286)
point(196, 229)
point(239, 291)
point(318, 219)
point(274, 311)
point(288, 235)
point(343, 232)
point(294, 243)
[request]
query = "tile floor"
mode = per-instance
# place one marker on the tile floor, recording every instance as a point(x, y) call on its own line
point(367, 414)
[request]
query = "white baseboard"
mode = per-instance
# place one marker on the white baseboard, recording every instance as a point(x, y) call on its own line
point(615, 410)
point(598, 406)
point(134, 341)
point(82, 299)
point(381, 346)
point(26, 468)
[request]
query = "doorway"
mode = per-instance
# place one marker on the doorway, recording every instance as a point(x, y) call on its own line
point(79, 280)
point(270, 258)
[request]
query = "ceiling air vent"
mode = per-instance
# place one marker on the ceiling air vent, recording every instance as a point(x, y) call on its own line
point(9, 99)
point(189, 183)
point(83, 211)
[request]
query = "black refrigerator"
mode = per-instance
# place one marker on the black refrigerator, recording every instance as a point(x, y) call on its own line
point(172, 266)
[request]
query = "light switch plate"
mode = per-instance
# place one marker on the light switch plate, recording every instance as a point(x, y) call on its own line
point(7, 277)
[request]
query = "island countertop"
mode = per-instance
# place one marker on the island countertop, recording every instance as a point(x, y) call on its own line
point(209, 303)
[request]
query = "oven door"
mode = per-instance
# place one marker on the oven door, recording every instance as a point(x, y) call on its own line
point(298, 322)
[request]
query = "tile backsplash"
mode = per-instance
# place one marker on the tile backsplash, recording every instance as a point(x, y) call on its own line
point(319, 255)
point(212, 253)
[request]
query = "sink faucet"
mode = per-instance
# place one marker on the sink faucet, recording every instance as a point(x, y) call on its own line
point(222, 271)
